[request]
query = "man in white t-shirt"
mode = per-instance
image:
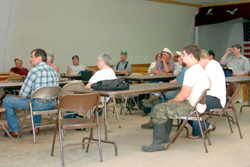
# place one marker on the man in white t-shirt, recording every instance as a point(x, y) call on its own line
point(216, 95)
point(195, 82)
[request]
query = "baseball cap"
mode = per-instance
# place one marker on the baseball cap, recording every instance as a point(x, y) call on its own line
point(177, 53)
point(210, 52)
point(75, 56)
point(168, 51)
point(124, 52)
point(18, 59)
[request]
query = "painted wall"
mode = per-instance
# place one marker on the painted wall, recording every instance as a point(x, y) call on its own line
point(89, 27)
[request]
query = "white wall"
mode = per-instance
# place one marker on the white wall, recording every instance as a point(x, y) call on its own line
point(89, 27)
point(219, 37)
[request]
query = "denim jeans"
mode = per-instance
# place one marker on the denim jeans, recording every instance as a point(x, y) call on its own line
point(211, 102)
point(11, 103)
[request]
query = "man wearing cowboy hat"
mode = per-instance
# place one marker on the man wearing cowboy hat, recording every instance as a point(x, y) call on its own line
point(165, 66)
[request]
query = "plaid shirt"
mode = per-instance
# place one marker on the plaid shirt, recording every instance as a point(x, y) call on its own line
point(41, 75)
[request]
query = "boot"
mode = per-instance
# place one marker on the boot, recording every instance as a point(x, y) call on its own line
point(159, 133)
point(168, 130)
point(148, 125)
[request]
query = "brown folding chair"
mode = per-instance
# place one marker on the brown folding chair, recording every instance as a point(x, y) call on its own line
point(75, 103)
point(2, 109)
point(232, 93)
point(199, 117)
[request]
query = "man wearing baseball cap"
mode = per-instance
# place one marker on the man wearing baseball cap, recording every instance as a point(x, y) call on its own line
point(164, 66)
point(18, 70)
point(75, 68)
point(123, 66)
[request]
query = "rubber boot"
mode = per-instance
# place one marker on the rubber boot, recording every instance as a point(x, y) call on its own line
point(159, 134)
point(168, 130)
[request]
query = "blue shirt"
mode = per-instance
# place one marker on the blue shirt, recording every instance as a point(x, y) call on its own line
point(180, 77)
point(41, 75)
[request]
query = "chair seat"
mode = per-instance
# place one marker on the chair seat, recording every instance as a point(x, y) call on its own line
point(229, 109)
point(53, 111)
point(77, 123)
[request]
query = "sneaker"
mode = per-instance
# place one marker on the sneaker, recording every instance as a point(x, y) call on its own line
point(153, 100)
point(148, 125)
point(28, 117)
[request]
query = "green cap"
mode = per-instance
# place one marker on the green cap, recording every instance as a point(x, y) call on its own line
point(124, 52)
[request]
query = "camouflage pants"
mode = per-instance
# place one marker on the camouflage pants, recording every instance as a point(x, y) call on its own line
point(170, 110)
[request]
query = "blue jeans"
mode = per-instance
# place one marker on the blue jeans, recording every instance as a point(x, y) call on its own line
point(11, 103)
point(211, 102)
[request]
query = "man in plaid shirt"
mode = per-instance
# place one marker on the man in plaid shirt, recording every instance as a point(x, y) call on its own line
point(41, 75)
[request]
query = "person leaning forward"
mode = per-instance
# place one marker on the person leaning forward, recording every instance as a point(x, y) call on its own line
point(165, 66)
point(195, 82)
point(41, 75)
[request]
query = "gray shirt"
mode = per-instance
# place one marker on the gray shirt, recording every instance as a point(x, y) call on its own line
point(121, 66)
point(74, 70)
point(238, 65)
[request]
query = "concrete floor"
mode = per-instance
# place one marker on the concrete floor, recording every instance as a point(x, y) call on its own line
point(227, 148)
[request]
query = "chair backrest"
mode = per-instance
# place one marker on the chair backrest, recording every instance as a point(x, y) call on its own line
point(232, 92)
point(71, 85)
point(46, 92)
point(201, 100)
point(79, 102)
point(14, 79)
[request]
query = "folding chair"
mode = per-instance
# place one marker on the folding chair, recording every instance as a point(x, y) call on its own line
point(199, 117)
point(2, 109)
point(232, 92)
point(44, 92)
point(75, 103)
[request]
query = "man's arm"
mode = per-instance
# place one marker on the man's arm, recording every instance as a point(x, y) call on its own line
point(223, 59)
point(157, 72)
point(91, 69)
point(240, 74)
point(167, 69)
point(13, 74)
point(184, 93)
point(68, 70)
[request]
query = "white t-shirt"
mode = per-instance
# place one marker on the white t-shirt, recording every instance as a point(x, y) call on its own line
point(217, 81)
point(103, 74)
point(74, 70)
point(152, 65)
point(196, 77)
point(178, 68)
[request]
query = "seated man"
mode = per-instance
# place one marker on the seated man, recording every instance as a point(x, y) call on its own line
point(216, 95)
point(158, 97)
point(50, 60)
point(41, 75)
point(123, 66)
point(178, 66)
point(165, 66)
point(238, 63)
point(195, 82)
point(75, 68)
point(211, 54)
point(18, 70)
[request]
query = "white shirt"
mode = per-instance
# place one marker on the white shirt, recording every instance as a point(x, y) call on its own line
point(178, 68)
point(104, 74)
point(196, 77)
point(152, 65)
point(217, 81)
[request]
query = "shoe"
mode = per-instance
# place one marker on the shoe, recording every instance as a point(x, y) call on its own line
point(13, 134)
point(152, 101)
point(36, 131)
point(149, 125)
point(212, 130)
point(28, 117)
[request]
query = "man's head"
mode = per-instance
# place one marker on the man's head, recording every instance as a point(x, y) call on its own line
point(204, 60)
point(75, 60)
point(191, 54)
point(211, 54)
point(123, 55)
point(166, 54)
point(38, 56)
point(177, 54)
point(181, 62)
point(50, 57)
point(18, 63)
point(236, 49)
